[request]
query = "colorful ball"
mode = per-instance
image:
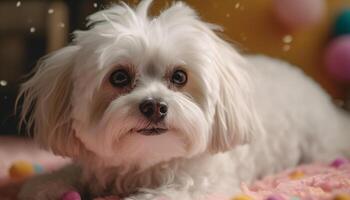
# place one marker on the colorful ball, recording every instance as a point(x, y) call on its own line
point(71, 195)
point(342, 23)
point(337, 59)
point(21, 169)
point(297, 14)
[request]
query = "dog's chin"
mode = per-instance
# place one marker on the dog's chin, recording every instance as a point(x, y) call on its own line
point(146, 147)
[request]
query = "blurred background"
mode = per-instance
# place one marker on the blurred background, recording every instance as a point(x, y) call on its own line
point(312, 34)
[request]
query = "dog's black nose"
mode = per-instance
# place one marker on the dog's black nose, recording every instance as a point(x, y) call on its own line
point(154, 109)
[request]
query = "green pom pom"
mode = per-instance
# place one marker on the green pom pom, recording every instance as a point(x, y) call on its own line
point(342, 24)
point(38, 168)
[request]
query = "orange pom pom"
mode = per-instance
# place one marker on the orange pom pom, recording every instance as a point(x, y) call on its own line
point(342, 197)
point(242, 197)
point(21, 169)
point(296, 175)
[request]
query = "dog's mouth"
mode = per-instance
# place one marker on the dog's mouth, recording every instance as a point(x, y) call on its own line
point(152, 131)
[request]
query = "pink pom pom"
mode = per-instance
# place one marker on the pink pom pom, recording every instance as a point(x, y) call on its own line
point(296, 14)
point(71, 195)
point(337, 59)
point(338, 162)
point(274, 198)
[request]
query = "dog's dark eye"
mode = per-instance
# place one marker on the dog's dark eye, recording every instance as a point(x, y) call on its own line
point(120, 78)
point(179, 77)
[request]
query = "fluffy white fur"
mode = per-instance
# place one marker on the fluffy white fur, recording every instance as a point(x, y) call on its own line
point(238, 118)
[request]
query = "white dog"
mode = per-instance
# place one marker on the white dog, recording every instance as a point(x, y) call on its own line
point(151, 107)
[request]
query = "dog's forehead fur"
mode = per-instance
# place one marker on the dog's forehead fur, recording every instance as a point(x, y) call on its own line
point(172, 38)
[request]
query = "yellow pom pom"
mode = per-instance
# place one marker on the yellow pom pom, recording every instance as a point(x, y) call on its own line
point(342, 197)
point(242, 197)
point(21, 169)
point(296, 175)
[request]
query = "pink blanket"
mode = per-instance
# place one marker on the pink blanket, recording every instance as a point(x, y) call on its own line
point(317, 181)
point(307, 182)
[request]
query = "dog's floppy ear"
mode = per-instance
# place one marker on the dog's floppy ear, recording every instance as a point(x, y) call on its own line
point(235, 119)
point(46, 108)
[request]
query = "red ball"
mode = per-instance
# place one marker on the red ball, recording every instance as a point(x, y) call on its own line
point(337, 59)
point(296, 14)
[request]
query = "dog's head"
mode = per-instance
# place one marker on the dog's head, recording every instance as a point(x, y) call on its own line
point(136, 90)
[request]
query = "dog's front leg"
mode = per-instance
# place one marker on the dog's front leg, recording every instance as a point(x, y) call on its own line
point(174, 193)
point(165, 193)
